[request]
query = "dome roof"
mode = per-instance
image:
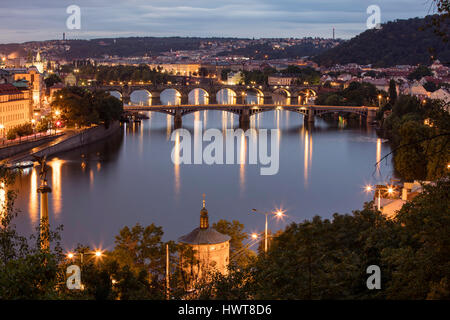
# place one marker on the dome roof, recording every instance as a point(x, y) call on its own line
point(204, 236)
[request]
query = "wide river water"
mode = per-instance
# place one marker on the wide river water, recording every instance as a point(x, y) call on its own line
point(131, 178)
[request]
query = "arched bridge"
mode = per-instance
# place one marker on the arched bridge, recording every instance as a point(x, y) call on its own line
point(245, 110)
point(266, 94)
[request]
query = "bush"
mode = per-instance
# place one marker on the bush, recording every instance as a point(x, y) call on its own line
point(20, 130)
point(11, 135)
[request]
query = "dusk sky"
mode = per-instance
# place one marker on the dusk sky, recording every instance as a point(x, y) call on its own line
point(29, 20)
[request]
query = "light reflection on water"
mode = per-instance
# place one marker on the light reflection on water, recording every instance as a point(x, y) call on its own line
point(130, 178)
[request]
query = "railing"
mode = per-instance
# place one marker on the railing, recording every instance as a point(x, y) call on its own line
point(4, 143)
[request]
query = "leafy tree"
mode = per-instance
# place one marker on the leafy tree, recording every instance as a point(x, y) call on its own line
point(420, 72)
point(140, 249)
point(52, 80)
point(420, 266)
point(240, 254)
point(83, 107)
point(392, 91)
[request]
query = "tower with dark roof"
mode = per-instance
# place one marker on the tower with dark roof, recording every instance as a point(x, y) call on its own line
point(211, 248)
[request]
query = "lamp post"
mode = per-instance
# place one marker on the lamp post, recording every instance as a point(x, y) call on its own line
point(96, 253)
point(278, 213)
point(390, 191)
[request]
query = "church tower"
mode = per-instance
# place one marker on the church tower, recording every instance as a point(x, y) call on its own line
point(211, 249)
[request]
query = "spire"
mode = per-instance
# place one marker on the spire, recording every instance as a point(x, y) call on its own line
point(204, 223)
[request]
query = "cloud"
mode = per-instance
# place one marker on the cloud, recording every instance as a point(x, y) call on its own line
point(29, 20)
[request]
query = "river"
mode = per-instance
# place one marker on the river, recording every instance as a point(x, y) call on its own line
point(131, 178)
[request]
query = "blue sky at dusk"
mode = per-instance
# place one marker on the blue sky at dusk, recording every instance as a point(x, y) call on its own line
point(29, 20)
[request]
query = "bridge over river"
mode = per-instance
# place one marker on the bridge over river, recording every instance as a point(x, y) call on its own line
point(245, 111)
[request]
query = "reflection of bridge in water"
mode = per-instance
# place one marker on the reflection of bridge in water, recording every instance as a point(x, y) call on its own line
point(245, 111)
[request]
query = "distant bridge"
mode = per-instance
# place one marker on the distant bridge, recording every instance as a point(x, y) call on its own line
point(246, 110)
point(265, 94)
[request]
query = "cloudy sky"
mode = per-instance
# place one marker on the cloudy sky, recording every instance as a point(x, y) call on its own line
point(28, 20)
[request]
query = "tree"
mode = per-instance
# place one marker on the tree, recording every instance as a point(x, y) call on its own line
point(52, 80)
point(410, 161)
point(420, 72)
point(26, 270)
point(392, 91)
point(83, 107)
point(420, 266)
point(141, 249)
point(240, 254)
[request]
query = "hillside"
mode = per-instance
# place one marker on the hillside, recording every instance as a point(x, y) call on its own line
point(396, 43)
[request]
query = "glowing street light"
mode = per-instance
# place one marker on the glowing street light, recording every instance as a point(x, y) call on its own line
point(278, 213)
point(97, 254)
point(389, 189)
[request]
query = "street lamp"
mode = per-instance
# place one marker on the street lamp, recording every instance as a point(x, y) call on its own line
point(278, 213)
point(389, 189)
point(96, 253)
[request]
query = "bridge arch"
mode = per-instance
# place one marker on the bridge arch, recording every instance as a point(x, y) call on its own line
point(281, 96)
point(306, 96)
point(198, 96)
point(226, 96)
point(170, 96)
point(253, 95)
point(115, 93)
point(141, 96)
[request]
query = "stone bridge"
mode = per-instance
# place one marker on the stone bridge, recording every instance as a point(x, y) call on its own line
point(296, 94)
point(244, 111)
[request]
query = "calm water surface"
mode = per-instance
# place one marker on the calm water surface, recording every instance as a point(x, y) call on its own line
point(131, 179)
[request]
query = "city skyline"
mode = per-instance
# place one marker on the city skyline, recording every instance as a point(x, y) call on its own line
point(255, 18)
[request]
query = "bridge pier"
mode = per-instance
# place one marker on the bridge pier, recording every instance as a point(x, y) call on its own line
point(126, 99)
point(244, 119)
point(310, 117)
point(177, 121)
point(371, 115)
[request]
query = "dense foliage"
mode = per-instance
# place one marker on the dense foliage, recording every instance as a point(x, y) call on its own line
point(82, 107)
point(356, 94)
point(120, 73)
point(19, 130)
point(267, 51)
point(419, 132)
point(391, 45)
point(327, 259)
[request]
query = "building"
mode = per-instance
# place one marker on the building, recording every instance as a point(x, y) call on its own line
point(15, 107)
point(38, 63)
point(70, 80)
point(181, 69)
point(280, 80)
point(36, 83)
point(234, 78)
point(211, 249)
point(390, 205)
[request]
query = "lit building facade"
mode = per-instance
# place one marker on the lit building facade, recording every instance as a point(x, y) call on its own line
point(182, 69)
point(36, 84)
point(15, 107)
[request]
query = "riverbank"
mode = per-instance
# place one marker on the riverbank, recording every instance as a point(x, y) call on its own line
point(70, 140)
point(10, 150)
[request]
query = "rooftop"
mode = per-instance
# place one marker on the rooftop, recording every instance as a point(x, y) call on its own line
point(8, 88)
point(204, 236)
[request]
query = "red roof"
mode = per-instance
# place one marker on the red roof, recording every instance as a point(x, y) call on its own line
point(8, 88)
